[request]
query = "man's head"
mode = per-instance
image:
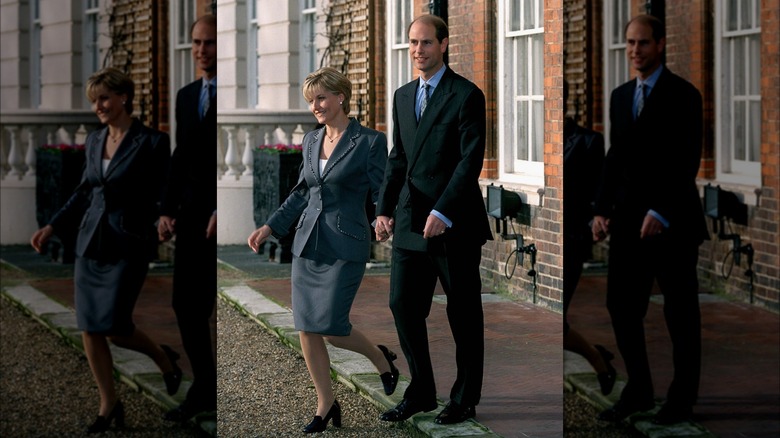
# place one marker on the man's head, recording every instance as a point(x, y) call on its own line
point(204, 44)
point(428, 41)
point(645, 43)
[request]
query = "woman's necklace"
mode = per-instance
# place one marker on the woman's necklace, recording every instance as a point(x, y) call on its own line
point(332, 139)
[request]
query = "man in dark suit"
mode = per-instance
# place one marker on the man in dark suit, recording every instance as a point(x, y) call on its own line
point(649, 204)
point(189, 211)
point(431, 191)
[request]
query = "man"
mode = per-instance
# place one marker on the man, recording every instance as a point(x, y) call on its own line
point(431, 190)
point(189, 211)
point(650, 205)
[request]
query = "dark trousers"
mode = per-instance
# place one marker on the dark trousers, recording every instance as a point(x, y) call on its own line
point(633, 266)
point(194, 299)
point(412, 283)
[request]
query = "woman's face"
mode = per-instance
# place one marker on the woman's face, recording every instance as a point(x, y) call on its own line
point(325, 106)
point(108, 105)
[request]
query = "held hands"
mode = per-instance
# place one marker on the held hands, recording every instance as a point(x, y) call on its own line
point(384, 228)
point(258, 237)
point(600, 228)
point(166, 228)
point(40, 237)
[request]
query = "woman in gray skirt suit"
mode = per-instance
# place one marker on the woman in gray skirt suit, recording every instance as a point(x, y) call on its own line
point(343, 163)
point(115, 209)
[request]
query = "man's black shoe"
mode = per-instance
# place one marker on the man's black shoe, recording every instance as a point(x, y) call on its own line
point(184, 412)
point(671, 414)
point(621, 410)
point(455, 413)
point(406, 409)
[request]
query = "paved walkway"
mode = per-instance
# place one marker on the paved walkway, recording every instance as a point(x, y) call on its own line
point(524, 369)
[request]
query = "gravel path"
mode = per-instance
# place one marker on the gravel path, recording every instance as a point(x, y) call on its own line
point(264, 389)
point(47, 390)
point(580, 421)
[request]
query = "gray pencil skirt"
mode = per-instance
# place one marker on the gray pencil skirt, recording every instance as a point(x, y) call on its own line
point(322, 294)
point(106, 294)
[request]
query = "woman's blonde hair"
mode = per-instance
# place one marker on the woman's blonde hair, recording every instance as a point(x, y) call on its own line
point(328, 79)
point(114, 80)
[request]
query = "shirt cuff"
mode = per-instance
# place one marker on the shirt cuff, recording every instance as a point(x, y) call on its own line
point(660, 218)
point(443, 218)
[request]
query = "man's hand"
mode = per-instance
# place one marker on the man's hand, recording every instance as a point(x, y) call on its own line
point(166, 228)
point(650, 227)
point(433, 227)
point(600, 228)
point(211, 228)
point(384, 228)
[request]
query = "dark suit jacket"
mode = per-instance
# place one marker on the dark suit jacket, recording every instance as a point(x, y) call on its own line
point(118, 209)
point(653, 161)
point(331, 207)
point(191, 194)
point(436, 165)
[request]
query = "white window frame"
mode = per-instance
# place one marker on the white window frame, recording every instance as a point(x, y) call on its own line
point(734, 88)
point(399, 63)
point(35, 54)
point(308, 42)
point(529, 169)
point(182, 15)
point(91, 42)
point(253, 58)
point(617, 13)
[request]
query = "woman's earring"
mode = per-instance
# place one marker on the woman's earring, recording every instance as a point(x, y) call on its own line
point(341, 102)
point(124, 102)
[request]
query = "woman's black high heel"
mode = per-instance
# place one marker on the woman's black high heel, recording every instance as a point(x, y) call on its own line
point(606, 379)
point(102, 423)
point(318, 424)
point(172, 378)
point(390, 378)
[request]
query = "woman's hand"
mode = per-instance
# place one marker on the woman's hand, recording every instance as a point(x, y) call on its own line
point(258, 237)
point(40, 237)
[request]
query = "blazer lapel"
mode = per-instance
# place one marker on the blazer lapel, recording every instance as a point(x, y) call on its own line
point(96, 152)
point(441, 95)
point(345, 145)
point(313, 147)
point(125, 150)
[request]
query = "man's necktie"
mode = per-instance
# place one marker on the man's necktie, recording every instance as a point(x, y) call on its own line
point(205, 97)
point(640, 98)
point(424, 102)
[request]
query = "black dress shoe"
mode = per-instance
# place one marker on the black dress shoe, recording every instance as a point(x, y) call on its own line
point(672, 414)
point(185, 411)
point(455, 413)
point(102, 423)
point(607, 379)
point(406, 409)
point(319, 424)
point(389, 379)
point(172, 378)
point(622, 410)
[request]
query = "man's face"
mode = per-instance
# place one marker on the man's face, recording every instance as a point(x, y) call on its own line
point(204, 48)
point(426, 51)
point(644, 52)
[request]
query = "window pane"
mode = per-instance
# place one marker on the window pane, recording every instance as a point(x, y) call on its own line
point(521, 123)
point(739, 61)
point(754, 64)
point(755, 132)
point(537, 63)
point(538, 131)
point(739, 130)
point(528, 14)
point(521, 69)
point(515, 19)
point(731, 16)
point(747, 16)
point(617, 29)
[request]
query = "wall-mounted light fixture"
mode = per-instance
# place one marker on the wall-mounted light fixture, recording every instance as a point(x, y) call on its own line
point(721, 206)
point(503, 204)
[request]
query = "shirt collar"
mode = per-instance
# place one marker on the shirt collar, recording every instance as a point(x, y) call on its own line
point(434, 80)
point(649, 83)
point(212, 81)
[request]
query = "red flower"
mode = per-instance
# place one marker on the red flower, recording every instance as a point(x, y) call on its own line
point(280, 148)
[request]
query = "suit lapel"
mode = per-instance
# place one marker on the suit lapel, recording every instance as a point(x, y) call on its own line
point(441, 95)
point(96, 151)
point(126, 150)
point(313, 158)
point(345, 145)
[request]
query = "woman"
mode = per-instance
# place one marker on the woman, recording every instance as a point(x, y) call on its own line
point(116, 207)
point(343, 163)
